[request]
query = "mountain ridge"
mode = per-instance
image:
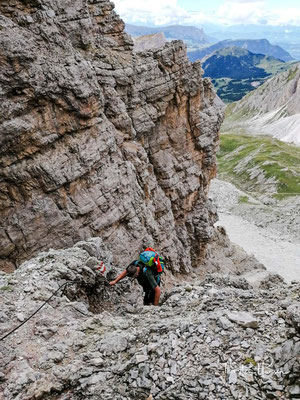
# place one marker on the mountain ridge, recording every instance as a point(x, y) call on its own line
point(233, 62)
point(182, 32)
point(272, 109)
point(261, 46)
point(235, 71)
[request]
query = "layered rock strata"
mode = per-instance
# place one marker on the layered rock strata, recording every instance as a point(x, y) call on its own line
point(96, 140)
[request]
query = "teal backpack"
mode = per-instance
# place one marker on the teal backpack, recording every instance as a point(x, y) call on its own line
point(150, 258)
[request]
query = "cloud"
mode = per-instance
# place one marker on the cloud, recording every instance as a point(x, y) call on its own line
point(157, 12)
point(241, 11)
point(167, 12)
point(245, 1)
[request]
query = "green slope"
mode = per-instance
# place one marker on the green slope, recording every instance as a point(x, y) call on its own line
point(260, 165)
point(236, 72)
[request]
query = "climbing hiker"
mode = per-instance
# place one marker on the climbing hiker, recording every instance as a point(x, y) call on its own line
point(147, 270)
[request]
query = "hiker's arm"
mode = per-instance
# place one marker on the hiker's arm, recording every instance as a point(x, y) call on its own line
point(118, 278)
point(157, 292)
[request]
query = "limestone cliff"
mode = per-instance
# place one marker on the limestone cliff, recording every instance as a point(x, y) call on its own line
point(96, 140)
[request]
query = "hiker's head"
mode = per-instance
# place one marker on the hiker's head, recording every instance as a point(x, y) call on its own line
point(133, 271)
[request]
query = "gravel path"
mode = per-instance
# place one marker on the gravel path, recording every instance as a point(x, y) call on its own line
point(278, 256)
point(278, 250)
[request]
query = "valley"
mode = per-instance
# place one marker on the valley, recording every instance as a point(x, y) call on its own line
point(266, 228)
point(272, 109)
point(263, 166)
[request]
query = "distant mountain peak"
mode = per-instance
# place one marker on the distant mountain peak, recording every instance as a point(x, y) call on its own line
point(183, 32)
point(257, 46)
point(272, 109)
point(233, 62)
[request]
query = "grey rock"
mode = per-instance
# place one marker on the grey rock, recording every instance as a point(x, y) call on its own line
point(294, 391)
point(293, 315)
point(103, 127)
point(224, 322)
point(243, 318)
point(141, 358)
point(232, 379)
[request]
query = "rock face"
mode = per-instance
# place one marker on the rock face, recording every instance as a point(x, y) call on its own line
point(272, 109)
point(96, 140)
point(98, 342)
point(149, 42)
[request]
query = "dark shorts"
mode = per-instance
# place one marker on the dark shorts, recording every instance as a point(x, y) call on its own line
point(149, 282)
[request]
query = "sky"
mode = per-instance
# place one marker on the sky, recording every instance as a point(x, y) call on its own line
point(197, 12)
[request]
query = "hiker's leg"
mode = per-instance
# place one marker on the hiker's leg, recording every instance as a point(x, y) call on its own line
point(151, 296)
point(147, 298)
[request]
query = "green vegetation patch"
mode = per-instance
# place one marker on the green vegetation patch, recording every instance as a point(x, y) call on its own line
point(230, 90)
point(4, 288)
point(244, 199)
point(258, 164)
point(292, 74)
point(250, 360)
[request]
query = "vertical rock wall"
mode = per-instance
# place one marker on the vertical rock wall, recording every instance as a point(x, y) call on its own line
point(97, 140)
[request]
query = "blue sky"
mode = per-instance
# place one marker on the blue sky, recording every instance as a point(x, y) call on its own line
point(197, 12)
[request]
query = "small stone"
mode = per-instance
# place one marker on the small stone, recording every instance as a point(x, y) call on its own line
point(152, 347)
point(97, 362)
point(141, 358)
point(294, 391)
point(215, 343)
point(169, 379)
point(224, 322)
point(244, 319)
point(20, 317)
point(232, 377)
point(173, 367)
point(161, 362)
point(245, 345)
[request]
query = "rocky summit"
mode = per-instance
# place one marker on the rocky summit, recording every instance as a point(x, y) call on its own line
point(97, 140)
point(212, 338)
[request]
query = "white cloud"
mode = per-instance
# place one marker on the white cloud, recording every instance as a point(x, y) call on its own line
point(157, 12)
point(285, 16)
point(167, 12)
point(244, 1)
point(241, 11)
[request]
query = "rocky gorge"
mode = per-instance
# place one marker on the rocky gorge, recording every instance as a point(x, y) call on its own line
point(98, 140)
point(105, 150)
point(216, 338)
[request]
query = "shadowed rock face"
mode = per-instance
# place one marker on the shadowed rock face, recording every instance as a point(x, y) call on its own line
point(98, 141)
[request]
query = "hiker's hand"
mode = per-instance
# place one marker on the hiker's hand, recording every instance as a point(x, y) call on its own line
point(112, 283)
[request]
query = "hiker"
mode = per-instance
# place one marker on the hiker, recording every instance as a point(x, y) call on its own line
point(147, 270)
